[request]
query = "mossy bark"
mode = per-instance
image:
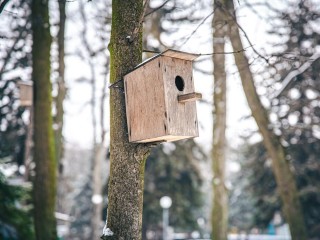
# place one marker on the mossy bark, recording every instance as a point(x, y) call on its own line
point(284, 177)
point(126, 182)
point(219, 216)
point(44, 158)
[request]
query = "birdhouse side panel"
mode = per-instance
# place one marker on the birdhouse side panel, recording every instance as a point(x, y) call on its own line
point(145, 104)
point(26, 95)
point(178, 80)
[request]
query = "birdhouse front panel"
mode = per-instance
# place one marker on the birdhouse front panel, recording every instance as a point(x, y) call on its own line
point(160, 99)
point(182, 116)
point(145, 103)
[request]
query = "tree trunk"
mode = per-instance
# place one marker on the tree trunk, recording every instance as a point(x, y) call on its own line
point(219, 217)
point(96, 221)
point(127, 160)
point(44, 157)
point(59, 142)
point(284, 177)
point(61, 82)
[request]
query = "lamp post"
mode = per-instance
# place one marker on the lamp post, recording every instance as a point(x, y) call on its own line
point(165, 203)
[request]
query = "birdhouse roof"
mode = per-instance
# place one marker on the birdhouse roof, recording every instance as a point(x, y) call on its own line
point(170, 53)
point(181, 55)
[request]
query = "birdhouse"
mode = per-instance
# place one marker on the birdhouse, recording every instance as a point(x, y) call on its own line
point(160, 99)
point(25, 89)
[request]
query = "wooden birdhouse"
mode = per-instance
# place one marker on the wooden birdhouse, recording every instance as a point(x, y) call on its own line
point(25, 89)
point(160, 99)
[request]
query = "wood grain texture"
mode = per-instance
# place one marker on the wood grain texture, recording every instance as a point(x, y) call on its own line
point(145, 104)
point(189, 97)
point(26, 94)
point(181, 55)
point(152, 107)
point(182, 118)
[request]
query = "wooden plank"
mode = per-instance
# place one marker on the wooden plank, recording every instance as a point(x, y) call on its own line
point(167, 138)
point(182, 118)
point(145, 104)
point(181, 55)
point(189, 97)
point(26, 93)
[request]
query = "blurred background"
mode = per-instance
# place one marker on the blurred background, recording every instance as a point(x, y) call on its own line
point(282, 42)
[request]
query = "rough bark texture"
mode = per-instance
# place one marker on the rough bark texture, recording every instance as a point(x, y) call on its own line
point(45, 178)
point(284, 177)
point(219, 217)
point(127, 160)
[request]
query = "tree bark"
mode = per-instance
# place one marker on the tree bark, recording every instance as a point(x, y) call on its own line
point(127, 160)
point(219, 216)
point(284, 177)
point(44, 157)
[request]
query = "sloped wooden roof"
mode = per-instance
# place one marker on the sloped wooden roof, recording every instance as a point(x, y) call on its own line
point(170, 53)
point(181, 55)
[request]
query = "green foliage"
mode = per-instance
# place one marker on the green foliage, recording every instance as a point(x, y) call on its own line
point(15, 214)
point(173, 170)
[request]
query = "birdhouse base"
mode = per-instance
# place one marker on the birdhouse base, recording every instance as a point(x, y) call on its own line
point(168, 138)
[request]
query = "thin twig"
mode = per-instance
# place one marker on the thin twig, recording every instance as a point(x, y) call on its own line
point(113, 85)
point(150, 51)
point(196, 29)
point(156, 9)
point(3, 4)
point(232, 52)
point(243, 31)
point(137, 28)
point(204, 54)
point(291, 76)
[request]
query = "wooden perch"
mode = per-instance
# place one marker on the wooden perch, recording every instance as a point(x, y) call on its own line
point(189, 97)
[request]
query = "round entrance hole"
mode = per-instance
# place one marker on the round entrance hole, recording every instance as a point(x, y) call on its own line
point(179, 83)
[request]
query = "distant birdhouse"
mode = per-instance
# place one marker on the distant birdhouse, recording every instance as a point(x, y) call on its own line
point(160, 99)
point(25, 92)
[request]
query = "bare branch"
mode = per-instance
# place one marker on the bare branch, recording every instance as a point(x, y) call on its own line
point(3, 4)
point(232, 15)
point(231, 52)
point(291, 76)
point(205, 54)
point(11, 50)
point(156, 9)
point(136, 29)
point(196, 29)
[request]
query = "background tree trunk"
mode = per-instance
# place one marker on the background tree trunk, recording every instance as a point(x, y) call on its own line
point(59, 141)
point(44, 157)
point(284, 177)
point(219, 217)
point(127, 159)
point(97, 222)
point(61, 82)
